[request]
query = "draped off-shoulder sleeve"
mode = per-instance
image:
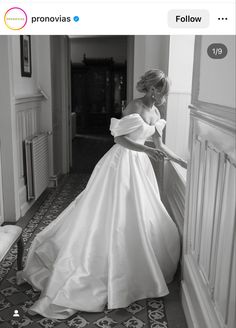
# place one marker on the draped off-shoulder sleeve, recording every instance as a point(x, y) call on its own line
point(159, 125)
point(125, 125)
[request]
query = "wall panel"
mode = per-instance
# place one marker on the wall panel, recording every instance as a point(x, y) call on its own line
point(226, 247)
point(28, 112)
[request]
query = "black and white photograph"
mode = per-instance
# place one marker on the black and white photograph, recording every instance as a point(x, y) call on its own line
point(117, 181)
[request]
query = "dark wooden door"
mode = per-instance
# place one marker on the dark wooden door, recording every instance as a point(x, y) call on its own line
point(98, 89)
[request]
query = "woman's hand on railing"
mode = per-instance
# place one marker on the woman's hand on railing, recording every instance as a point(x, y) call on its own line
point(155, 154)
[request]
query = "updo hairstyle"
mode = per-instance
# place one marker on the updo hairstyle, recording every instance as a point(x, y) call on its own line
point(156, 78)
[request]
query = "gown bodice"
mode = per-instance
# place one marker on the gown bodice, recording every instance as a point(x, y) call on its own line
point(135, 127)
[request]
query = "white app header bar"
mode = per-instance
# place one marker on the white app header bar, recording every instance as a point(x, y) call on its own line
point(92, 18)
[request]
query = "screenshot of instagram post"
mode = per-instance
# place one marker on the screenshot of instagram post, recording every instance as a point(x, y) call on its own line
point(117, 164)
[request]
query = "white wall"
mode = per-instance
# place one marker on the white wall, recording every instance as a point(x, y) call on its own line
point(181, 63)
point(180, 74)
point(43, 62)
point(98, 47)
point(217, 76)
point(44, 81)
point(130, 67)
point(7, 134)
point(23, 85)
point(57, 110)
point(139, 61)
point(150, 51)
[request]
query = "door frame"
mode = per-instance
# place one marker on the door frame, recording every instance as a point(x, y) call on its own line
point(66, 105)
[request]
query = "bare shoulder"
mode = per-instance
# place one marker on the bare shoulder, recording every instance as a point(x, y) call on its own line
point(132, 108)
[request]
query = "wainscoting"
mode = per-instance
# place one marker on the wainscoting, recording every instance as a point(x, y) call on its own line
point(210, 256)
point(28, 115)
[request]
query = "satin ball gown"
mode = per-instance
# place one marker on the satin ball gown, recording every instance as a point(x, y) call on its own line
point(114, 244)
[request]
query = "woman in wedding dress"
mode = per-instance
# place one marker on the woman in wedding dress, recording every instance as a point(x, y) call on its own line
point(115, 243)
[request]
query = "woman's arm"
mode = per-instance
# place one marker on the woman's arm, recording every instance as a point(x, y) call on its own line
point(132, 145)
point(169, 153)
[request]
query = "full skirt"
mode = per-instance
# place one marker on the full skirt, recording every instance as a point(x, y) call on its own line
point(114, 244)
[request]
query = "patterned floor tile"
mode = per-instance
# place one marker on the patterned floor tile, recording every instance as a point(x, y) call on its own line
point(61, 325)
point(7, 314)
point(9, 291)
point(4, 304)
point(134, 323)
point(27, 304)
point(156, 313)
point(48, 323)
point(23, 321)
point(105, 322)
point(5, 325)
point(32, 293)
point(92, 316)
point(135, 308)
point(78, 322)
point(18, 298)
point(120, 315)
point(11, 280)
point(34, 325)
point(142, 315)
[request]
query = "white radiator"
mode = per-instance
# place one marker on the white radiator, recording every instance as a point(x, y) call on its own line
point(37, 165)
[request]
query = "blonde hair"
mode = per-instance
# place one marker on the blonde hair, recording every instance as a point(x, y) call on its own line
point(156, 78)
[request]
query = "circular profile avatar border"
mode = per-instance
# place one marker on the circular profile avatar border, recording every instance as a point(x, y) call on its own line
point(15, 18)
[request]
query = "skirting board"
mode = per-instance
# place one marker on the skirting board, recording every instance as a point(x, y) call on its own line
point(53, 181)
point(25, 207)
point(24, 204)
point(188, 307)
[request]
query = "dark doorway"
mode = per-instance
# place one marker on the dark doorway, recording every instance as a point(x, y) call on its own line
point(98, 87)
point(98, 92)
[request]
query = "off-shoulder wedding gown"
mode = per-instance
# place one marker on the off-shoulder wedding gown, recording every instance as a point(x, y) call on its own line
point(114, 244)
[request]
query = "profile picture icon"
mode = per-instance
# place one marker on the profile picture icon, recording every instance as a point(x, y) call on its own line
point(15, 18)
point(16, 314)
